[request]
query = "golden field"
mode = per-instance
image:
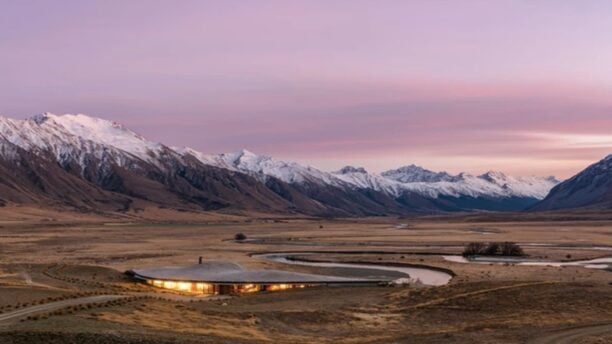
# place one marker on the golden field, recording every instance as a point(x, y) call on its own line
point(64, 272)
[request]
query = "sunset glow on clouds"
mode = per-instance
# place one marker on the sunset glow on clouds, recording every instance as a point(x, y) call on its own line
point(519, 86)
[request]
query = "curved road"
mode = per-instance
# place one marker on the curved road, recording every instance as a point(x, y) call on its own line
point(51, 306)
point(572, 335)
point(9, 317)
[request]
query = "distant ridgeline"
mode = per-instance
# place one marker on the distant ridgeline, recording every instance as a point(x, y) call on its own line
point(93, 164)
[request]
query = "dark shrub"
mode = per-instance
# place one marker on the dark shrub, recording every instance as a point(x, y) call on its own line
point(511, 249)
point(240, 236)
point(474, 249)
point(492, 249)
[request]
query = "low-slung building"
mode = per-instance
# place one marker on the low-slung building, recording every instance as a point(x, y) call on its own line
point(218, 277)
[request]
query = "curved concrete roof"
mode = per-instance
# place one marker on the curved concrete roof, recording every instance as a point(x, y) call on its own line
point(227, 272)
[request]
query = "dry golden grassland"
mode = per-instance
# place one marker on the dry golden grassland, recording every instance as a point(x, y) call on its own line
point(75, 264)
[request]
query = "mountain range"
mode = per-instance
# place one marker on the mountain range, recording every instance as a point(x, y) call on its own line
point(94, 164)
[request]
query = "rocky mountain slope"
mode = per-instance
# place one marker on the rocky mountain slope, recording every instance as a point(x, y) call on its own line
point(94, 164)
point(79, 155)
point(408, 186)
point(591, 188)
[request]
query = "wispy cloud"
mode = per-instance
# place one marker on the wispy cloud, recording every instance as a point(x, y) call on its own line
point(572, 141)
point(513, 85)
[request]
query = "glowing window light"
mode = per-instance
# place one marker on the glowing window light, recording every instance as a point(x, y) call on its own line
point(274, 287)
point(183, 286)
point(205, 288)
point(249, 288)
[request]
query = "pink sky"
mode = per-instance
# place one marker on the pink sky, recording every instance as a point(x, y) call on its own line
point(519, 86)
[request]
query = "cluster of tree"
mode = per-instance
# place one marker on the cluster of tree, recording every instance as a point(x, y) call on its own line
point(240, 237)
point(492, 249)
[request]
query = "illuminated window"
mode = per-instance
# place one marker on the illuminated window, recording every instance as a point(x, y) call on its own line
point(184, 286)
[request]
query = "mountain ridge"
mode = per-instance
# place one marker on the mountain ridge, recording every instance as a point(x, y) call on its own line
point(590, 188)
point(122, 165)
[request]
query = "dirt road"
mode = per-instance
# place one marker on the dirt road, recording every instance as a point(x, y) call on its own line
point(47, 307)
point(7, 318)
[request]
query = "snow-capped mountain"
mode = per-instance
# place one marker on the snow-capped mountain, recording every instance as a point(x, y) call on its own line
point(113, 165)
point(408, 179)
point(530, 186)
point(489, 185)
point(415, 174)
point(290, 179)
point(211, 160)
point(79, 138)
point(359, 177)
point(117, 163)
point(107, 133)
point(264, 167)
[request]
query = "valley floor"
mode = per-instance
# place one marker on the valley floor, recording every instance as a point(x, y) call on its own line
point(61, 281)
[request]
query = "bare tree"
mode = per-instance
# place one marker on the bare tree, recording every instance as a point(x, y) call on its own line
point(474, 249)
point(240, 237)
point(511, 249)
point(492, 249)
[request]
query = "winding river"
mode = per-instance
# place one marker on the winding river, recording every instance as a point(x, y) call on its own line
point(425, 276)
point(598, 263)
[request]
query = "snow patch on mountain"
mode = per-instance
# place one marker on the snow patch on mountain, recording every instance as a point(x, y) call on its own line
point(529, 186)
point(80, 137)
point(436, 184)
point(41, 135)
point(263, 166)
point(109, 133)
point(394, 182)
point(359, 177)
point(206, 159)
point(414, 174)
